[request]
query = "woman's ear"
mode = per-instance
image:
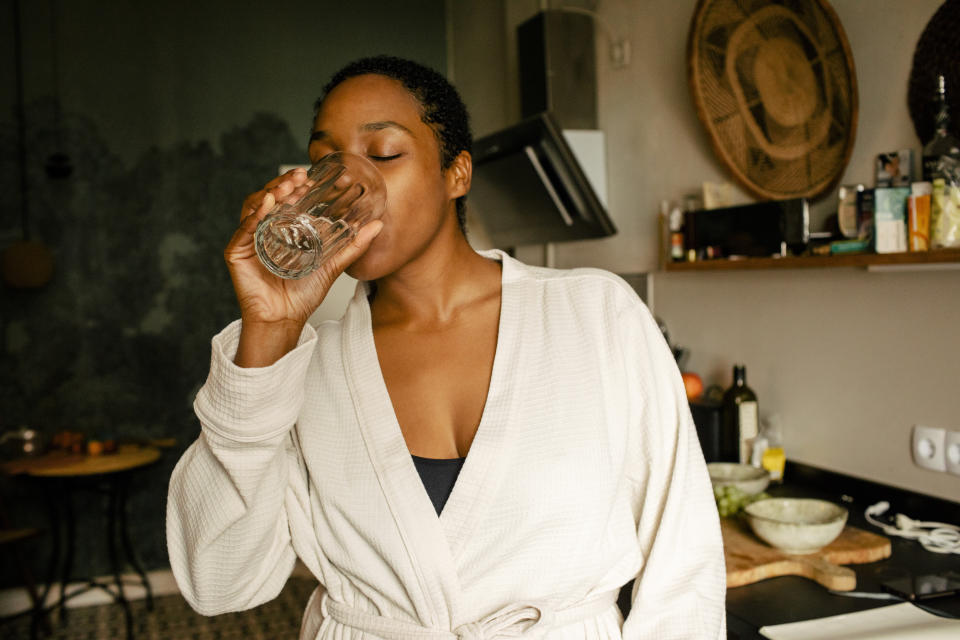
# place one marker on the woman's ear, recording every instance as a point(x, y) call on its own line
point(459, 175)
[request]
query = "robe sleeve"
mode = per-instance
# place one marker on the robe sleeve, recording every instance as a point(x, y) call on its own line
point(227, 527)
point(680, 590)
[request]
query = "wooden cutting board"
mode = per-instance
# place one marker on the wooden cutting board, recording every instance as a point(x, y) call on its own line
point(750, 560)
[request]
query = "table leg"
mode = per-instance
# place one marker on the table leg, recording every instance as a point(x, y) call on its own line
point(128, 546)
point(114, 507)
point(59, 484)
point(37, 599)
point(55, 533)
point(67, 503)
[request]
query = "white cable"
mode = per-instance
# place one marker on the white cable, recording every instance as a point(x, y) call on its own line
point(864, 594)
point(938, 537)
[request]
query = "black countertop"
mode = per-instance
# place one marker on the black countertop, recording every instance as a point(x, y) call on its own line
point(792, 598)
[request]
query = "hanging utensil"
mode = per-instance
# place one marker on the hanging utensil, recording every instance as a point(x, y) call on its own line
point(26, 264)
point(58, 163)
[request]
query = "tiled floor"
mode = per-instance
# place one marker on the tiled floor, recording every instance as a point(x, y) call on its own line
point(173, 619)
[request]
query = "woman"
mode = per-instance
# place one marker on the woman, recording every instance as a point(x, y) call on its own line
point(546, 399)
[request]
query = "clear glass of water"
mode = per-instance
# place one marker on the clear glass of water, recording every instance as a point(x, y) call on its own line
point(345, 192)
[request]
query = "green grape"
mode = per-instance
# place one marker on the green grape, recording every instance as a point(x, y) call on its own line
point(731, 500)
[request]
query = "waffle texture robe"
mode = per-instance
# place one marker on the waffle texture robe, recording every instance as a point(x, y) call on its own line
point(585, 472)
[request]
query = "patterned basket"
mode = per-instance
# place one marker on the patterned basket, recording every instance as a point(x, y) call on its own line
point(775, 87)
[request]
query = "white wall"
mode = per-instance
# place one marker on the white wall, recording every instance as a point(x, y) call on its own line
point(849, 359)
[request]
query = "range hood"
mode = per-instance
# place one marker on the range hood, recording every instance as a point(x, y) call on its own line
point(528, 187)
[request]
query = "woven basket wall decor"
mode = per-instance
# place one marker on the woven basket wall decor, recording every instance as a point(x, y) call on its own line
point(775, 86)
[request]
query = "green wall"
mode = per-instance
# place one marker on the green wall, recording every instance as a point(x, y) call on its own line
point(160, 73)
point(171, 113)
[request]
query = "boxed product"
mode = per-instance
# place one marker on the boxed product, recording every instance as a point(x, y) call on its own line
point(895, 168)
point(890, 219)
point(918, 216)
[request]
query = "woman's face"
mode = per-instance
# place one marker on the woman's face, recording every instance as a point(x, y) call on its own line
point(376, 117)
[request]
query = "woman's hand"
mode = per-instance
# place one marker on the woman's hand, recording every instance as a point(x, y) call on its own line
point(275, 309)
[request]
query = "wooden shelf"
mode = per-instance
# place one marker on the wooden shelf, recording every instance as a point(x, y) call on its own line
point(926, 258)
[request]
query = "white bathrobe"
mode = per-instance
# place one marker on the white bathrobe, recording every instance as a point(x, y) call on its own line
point(585, 473)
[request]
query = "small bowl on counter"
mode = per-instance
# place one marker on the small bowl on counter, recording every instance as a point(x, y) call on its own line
point(745, 477)
point(797, 526)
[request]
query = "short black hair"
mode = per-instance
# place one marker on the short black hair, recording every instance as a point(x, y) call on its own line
point(442, 109)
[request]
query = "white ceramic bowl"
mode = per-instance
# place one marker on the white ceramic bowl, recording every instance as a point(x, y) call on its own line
point(745, 477)
point(796, 525)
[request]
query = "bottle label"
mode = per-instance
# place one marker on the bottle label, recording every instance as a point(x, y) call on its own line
point(676, 245)
point(749, 427)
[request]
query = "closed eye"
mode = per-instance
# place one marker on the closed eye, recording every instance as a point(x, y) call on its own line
point(385, 158)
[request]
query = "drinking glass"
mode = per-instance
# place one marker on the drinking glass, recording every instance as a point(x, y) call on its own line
point(345, 192)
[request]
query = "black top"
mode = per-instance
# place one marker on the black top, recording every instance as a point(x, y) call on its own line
point(438, 476)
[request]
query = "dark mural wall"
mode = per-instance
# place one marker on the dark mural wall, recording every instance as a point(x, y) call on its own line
point(117, 344)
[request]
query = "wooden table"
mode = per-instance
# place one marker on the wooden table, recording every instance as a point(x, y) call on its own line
point(60, 464)
point(60, 475)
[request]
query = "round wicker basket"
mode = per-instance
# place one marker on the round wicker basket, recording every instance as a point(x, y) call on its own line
point(775, 87)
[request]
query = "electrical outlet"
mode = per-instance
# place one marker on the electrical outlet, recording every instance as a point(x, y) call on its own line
point(952, 449)
point(928, 447)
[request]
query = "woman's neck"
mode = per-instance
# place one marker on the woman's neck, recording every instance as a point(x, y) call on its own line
point(434, 289)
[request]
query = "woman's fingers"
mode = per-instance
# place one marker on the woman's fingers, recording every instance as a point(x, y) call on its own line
point(283, 188)
point(257, 205)
point(360, 243)
point(366, 234)
point(251, 203)
point(241, 246)
point(299, 192)
point(290, 187)
point(266, 202)
point(243, 236)
point(281, 192)
point(297, 175)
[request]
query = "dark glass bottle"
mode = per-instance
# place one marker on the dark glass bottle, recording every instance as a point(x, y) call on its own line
point(943, 142)
point(740, 418)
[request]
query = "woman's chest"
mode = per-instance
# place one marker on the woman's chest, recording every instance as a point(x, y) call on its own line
point(438, 382)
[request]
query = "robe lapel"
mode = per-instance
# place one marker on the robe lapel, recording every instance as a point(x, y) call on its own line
point(485, 465)
point(433, 543)
point(409, 504)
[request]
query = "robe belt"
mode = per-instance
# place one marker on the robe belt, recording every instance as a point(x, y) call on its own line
point(511, 621)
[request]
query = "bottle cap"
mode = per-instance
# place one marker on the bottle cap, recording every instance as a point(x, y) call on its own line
point(739, 373)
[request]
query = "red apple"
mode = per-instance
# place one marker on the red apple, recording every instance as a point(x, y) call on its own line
point(693, 384)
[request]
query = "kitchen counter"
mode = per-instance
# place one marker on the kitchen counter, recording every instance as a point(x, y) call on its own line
point(792, 599)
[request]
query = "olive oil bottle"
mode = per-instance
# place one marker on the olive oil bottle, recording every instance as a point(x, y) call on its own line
point(741, 419)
